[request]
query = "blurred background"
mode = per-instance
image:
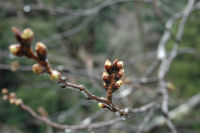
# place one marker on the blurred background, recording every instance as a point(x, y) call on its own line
point(80, 36)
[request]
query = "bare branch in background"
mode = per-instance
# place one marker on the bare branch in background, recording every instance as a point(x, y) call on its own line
point(159, 64)
point(176, 114)
point(166, 61)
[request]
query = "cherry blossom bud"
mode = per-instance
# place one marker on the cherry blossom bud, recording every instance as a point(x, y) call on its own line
point(101, 105)
point(118, 83)
point(104, 85)
point(55, 75)
point(107, 64)
point(15, 49)
point(27, 34)
point(121, 73)
point(12, 95)
point(12, 100)
point(41, 50)
point(18, 102)
point(115, 63)
point(170, 86)
point(5, 97)
point(17, 33)
point(120, 64)
point(105, 76)
point(37, 69)
point(4, 91)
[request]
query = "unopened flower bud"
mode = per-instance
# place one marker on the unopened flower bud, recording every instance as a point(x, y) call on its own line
point(118, 83)
point(101, 105)
point(121, 73)
point(4, 91)
point(37, 69)
point(12, 100)
point(27, 34)
point(17, 33)
point(107, 64)
point(120, 64)
point(170, 86)
point(115, 63)
point(18, 102)
point(15, 30)
point(15, 49)
point(104, 85)
point(105, 76)
point(55, 75)
point(5, 97)
point(14, 66)
point(12, 95)
point(41, 50)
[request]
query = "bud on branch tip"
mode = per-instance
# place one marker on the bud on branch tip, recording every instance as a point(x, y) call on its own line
point(120, 64)
point(16, 31)
point(4, 91)
point(55, 75)
point(107, 64)
point(27, 34)
point(12, 95)
point(15, 49)
point(101, 105)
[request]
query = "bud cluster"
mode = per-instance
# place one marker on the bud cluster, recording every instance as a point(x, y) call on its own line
point(111, 77)
point(24, 39)
point(24, 49)
point(113, 74)
point(11, 97)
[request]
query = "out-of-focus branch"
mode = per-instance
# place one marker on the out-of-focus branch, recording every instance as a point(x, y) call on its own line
point(21, 68)
point(72, 31)
point(166, 62)
point(12, 98)
point(83, 126)
point(143, 108)
point(177, 113)
point(89, 14)
point(67, 127)
point(145, 121)
point(95, 10)
point(11, 6)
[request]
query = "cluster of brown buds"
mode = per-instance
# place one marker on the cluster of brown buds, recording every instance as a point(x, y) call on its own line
point(112, 78)
point(25, 38)
point(40, 55)
point(11, 97)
